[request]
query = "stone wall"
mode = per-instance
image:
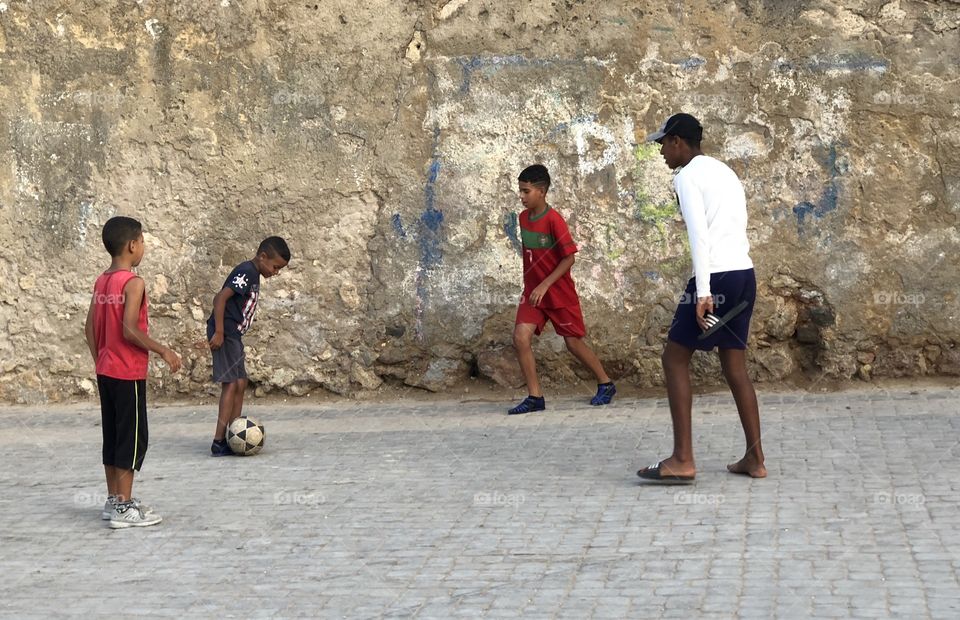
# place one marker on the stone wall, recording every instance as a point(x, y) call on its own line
point(383, 139)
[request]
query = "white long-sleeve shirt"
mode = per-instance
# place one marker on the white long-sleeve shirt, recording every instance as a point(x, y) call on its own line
point(715, 210)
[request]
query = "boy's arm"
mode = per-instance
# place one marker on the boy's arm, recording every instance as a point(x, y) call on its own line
point(694, 213)
point(536, 295)
point(219, 308)
point(88, 332)
point(133, 298)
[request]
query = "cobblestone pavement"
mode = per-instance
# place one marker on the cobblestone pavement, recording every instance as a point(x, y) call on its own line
point(453, 509)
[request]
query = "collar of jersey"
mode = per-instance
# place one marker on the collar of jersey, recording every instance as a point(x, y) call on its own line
point(534, 218)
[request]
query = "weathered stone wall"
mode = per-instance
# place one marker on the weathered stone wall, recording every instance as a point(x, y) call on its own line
point(383, 139)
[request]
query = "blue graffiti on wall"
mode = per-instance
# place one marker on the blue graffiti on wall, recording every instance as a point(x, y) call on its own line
point(429, 235)
point(511, 226)
point(828, 198)
point(398, 226)
point(431, 250)
point(471, 64)
point(689, 64)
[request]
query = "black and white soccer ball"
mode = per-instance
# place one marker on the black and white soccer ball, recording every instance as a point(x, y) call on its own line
point(245, 436)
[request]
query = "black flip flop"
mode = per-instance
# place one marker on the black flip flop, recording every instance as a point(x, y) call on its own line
point(714, 323)
point(652, 474)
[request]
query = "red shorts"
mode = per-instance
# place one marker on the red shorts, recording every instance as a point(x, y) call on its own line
point(566, 321)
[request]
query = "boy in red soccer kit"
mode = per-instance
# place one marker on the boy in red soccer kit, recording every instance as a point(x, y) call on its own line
point(548, 291)
point(116, 332)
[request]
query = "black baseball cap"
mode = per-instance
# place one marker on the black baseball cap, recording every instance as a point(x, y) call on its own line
point(680, 125)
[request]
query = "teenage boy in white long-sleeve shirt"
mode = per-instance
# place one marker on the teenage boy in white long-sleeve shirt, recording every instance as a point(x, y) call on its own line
point(714, 208)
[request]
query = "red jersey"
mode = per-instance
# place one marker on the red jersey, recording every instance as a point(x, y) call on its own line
point(116, 357)
point(547, 241)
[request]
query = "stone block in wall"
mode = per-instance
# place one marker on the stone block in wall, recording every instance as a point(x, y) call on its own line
point(949, 362)
point(772, 363)
point(437, 374)
point(500, 366)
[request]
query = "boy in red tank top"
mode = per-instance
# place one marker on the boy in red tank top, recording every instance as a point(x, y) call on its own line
point(548, 291)
point(116, 332)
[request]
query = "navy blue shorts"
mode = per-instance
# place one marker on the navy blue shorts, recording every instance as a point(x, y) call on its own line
point(729, 288)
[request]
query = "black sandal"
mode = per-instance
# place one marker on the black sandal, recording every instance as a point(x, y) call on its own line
point(652, 474)
point(714, 323)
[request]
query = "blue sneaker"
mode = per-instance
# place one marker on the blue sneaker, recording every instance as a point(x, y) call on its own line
point(605, 392)
point(219, 447)
point(529, 404)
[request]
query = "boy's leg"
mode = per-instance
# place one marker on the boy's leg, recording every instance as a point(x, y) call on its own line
point(676, 370)
point(230, 371)
point(734, 363)
point(108, 428)
point(240, 388)
point(225, 410)
point(111, 485)
point(582, 351)
point(523, 343)
point(231, 406)
point(113, 479)
point(132, 436)
point(123, 482)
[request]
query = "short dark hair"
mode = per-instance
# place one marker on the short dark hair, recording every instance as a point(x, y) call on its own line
point(275, 246)
point(536, 174)
point(118, 232)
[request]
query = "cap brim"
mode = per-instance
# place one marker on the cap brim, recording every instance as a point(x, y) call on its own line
point(657, 135)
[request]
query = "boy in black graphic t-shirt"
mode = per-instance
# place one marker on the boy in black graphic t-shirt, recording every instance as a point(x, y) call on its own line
point(233, 310)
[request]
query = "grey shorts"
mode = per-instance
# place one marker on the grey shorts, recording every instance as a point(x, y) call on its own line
point(228, 361)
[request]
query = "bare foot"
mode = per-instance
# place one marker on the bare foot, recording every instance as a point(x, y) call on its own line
point(673, 467)
point(749, 466)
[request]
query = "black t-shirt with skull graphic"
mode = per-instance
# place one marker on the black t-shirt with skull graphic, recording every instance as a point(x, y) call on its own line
point(244, 281)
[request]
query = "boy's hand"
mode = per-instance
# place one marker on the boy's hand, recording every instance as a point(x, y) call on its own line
point(536, 295)
point(704, 305)
point(172, 360)
point(217, 341)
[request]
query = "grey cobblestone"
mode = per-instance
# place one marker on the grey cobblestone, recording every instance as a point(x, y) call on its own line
point(442, 509)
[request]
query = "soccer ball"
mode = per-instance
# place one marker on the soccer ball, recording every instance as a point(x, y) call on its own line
point(245, 436)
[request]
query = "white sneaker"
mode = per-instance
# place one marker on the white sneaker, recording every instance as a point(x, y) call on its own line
point(111, 503)
point(108, 507)
point(131, 514)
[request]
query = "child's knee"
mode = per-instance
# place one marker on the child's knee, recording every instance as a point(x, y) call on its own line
point(522, 339)
point(572, 342)
point(670, 361)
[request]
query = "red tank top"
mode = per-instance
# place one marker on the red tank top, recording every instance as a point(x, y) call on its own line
point(116, 357)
